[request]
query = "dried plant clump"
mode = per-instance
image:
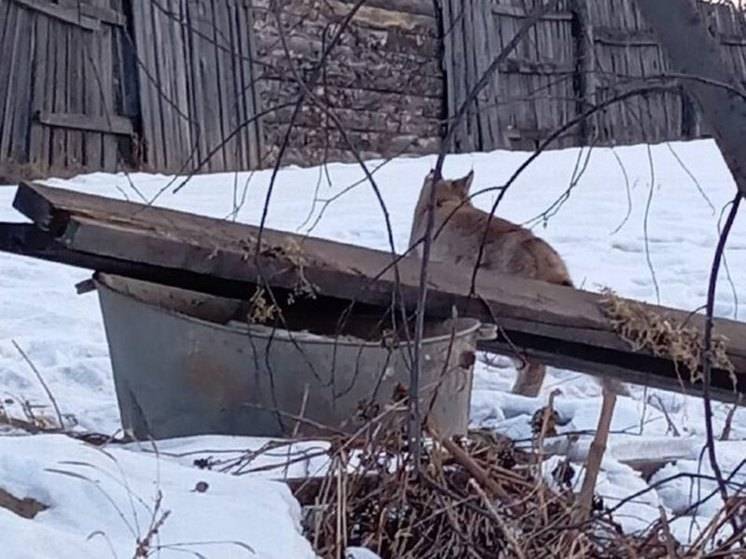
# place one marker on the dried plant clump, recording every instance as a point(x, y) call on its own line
point(475, 496)
point(260, 311)
point(663, 336)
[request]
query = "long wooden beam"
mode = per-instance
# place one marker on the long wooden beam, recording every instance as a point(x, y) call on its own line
point(562, 326)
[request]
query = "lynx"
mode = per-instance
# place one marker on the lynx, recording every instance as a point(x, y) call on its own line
point(509, 249)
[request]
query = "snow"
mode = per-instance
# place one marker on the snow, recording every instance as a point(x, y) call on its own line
point(62, 334)
point(103, 501)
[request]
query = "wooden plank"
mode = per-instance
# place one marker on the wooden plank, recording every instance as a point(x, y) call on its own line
point(383, 18)
point(39, 142)
point(152, 131)
point(564, 326)
point(473, 115)
point(449, 67)
point(71, 16)
point(463, 139)
point(25, 239)
point(92, 96)
point(585, 56)
point(112, 124)
point(75, 95)
point(139, 47)
point(239, 99)
point(109, 103)
point(197, 108)
point(625, 37)
point(8, 73)
point(159, 53)
point(226, 99)
point(252, 82)
point(21, 127)
point(5, 10)
point(493, 89)
point(689, 46)
point(58, 37)
point(520, 13)
point(417, 7)
point(7, 17)
point(244, 88)
point(205, 58)
point(179, 72)
point(103, 13)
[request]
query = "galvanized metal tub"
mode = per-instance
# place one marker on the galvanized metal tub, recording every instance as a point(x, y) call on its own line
point(185, 364)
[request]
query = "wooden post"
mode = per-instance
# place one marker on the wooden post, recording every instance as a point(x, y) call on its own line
point(584, 81)
point(693, 51)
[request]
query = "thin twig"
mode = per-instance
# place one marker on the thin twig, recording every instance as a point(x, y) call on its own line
point(43, 383)
point(707, 351)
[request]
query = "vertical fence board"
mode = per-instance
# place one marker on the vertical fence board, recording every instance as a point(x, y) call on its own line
point(19, 132)
point(39, 140)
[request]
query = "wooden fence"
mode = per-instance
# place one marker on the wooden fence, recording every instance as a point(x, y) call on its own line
point(184, 85)
point(65, 100)
point(577, 55)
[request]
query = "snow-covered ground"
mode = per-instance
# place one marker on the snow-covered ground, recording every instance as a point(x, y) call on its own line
point(104, 501)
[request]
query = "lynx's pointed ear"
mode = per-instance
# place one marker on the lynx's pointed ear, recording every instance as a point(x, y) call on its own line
point(467, 180)
point(464, 184)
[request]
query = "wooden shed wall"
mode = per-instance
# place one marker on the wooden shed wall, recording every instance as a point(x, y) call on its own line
point(177, 85)
point(65, 102)
point(583, 52)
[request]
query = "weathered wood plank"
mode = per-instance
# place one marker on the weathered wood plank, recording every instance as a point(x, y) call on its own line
point(58, 37)
point(417, 7)
point(8, 74)
point(179, 70)
point(40, 90)
point(160, 55)
point(224, 76)
point(520, 12)
point(102, 13)
point(70, 16)
point(21, 103)
point(243, 83)
point(111, 124)
point(384, 18)
point(92, 140)
point(152, 129)
point(75, 96)
point(206, 73)
point(564, 326)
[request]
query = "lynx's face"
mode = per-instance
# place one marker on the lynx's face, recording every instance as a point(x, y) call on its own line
point(448, 190)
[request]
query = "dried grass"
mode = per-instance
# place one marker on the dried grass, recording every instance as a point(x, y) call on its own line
point(663, 336)
point(477, 496)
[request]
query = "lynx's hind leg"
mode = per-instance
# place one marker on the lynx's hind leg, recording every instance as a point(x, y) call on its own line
point(530, 378)
point(614, 386)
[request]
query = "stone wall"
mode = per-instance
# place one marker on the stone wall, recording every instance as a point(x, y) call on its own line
point(383, 81)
